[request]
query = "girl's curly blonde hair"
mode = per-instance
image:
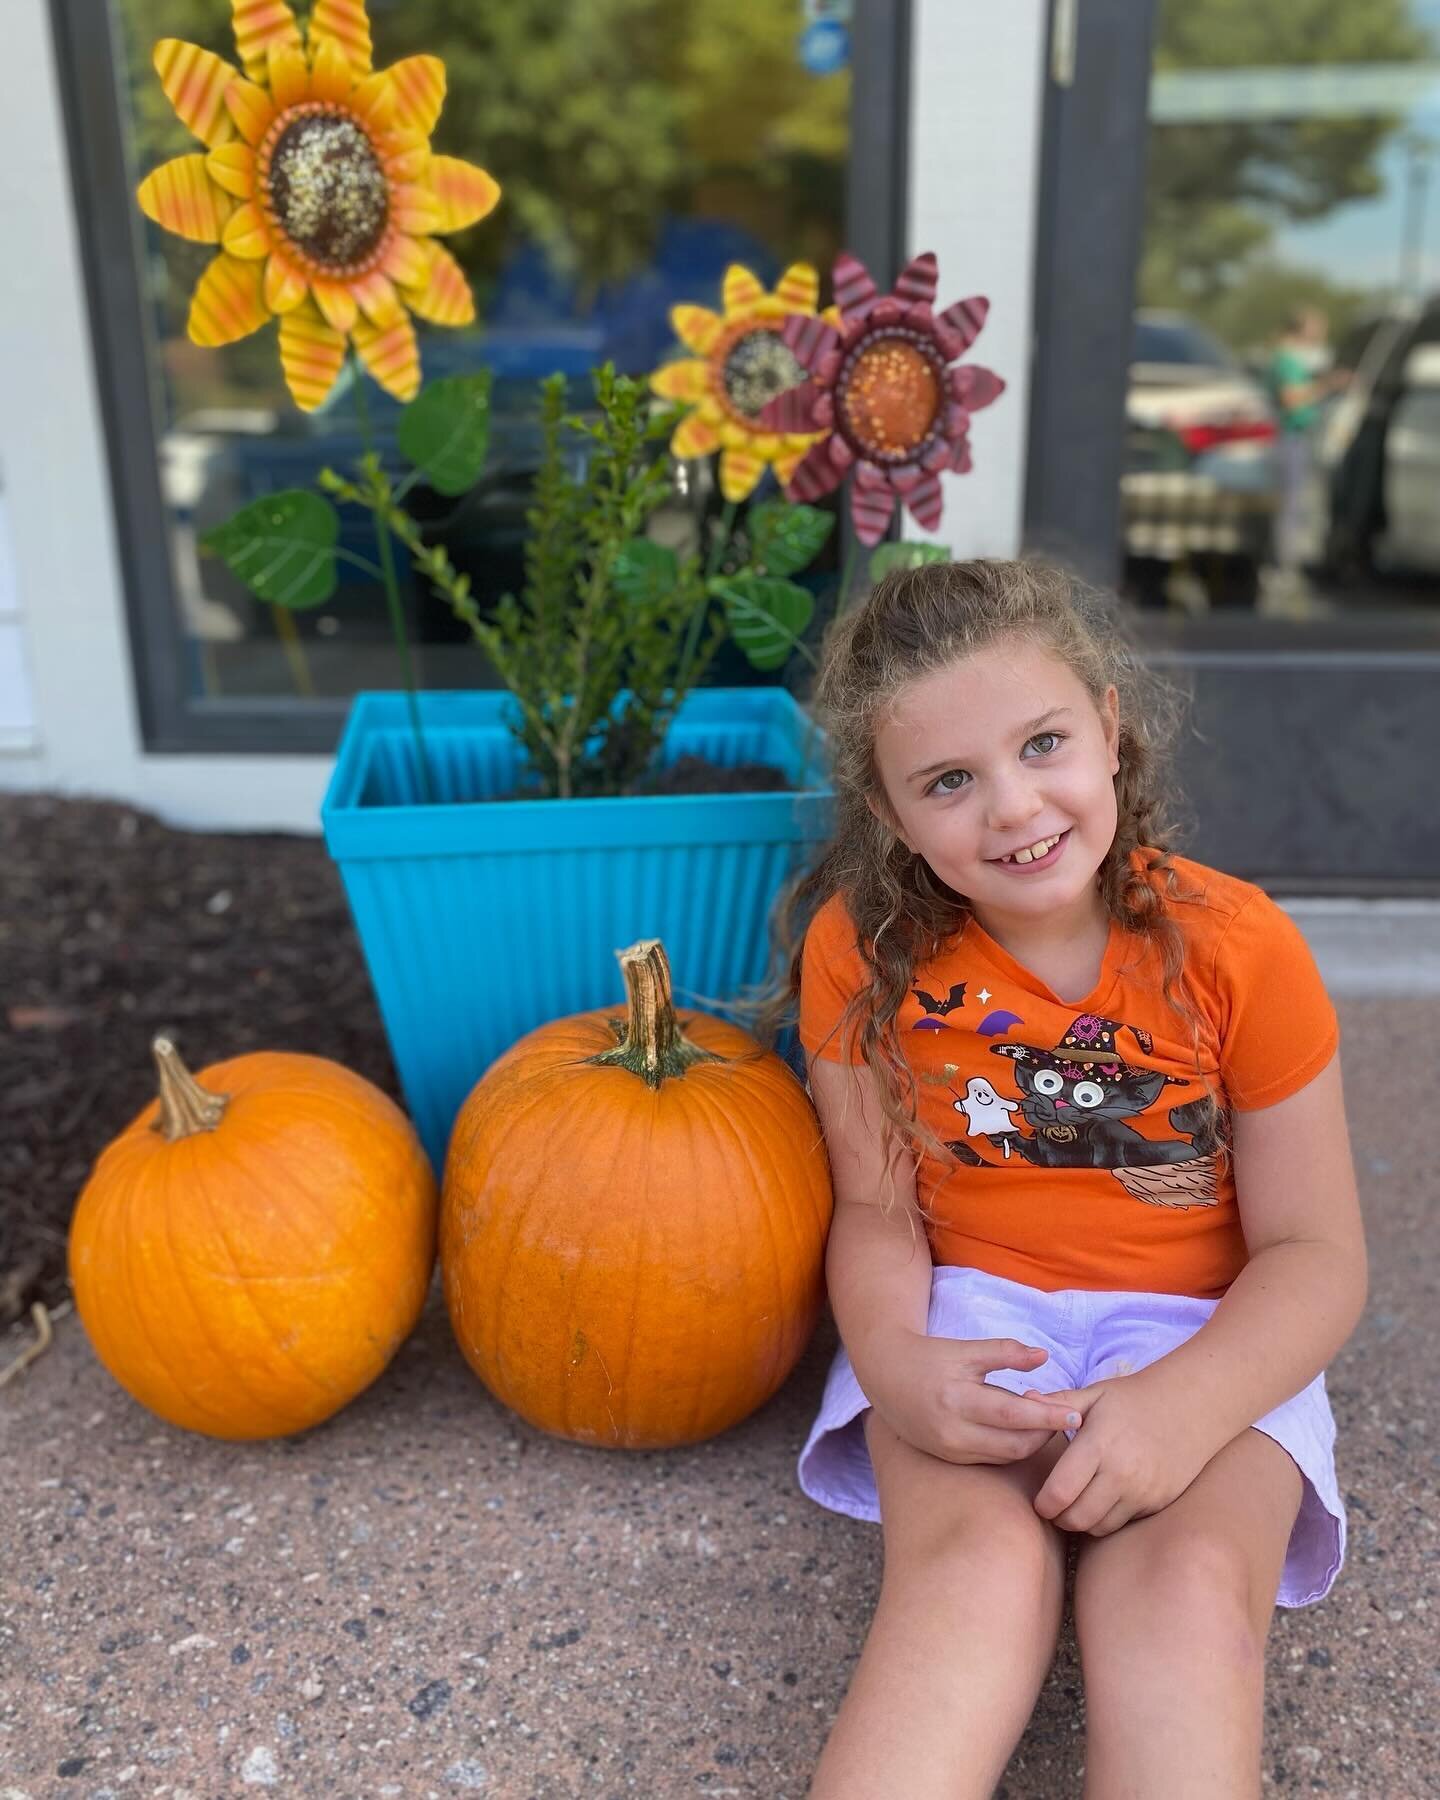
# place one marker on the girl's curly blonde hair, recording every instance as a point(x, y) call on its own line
point(914, 623)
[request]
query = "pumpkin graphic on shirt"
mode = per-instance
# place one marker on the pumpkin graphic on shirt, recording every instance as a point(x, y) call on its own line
point(1078, 1097)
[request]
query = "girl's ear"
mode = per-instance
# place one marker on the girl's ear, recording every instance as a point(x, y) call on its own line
point(883, 816)
point(1110, 720)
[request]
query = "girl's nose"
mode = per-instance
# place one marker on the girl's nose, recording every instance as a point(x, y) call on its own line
point(1012, 803)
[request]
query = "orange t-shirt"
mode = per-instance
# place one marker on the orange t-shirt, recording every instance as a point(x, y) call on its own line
point(1084, 1160)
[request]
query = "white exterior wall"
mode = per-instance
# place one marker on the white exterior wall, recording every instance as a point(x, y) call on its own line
point(70, 597)
point(976, 93)
point(17, 712)
point(68, 718)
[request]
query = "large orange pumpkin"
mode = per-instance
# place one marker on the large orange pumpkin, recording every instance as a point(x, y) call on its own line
point(633, 1221)
point(252, 1249)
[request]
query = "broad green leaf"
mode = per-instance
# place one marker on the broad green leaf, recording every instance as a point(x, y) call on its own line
point(445, 431)
point(644, 572)
point(282, 547)
point(787, 538)
point(766, 616)
point(904, 556)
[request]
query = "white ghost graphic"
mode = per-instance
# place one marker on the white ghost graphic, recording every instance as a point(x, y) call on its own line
point(985, 1112)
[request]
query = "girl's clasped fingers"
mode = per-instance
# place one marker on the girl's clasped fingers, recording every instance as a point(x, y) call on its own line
point(972, 1443)
point(1073, 1496)
point(1032, 1410)
point(997, 1406)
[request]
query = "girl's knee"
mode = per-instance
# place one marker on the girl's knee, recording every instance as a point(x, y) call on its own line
point(1004, 1543)
point(971, 1524)
point(1198, 1570)
point(1184, 1584)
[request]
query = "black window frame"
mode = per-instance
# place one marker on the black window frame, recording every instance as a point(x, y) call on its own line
point(174, 720)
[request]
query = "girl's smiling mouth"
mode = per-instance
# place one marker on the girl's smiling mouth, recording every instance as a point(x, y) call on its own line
point(1039, 855)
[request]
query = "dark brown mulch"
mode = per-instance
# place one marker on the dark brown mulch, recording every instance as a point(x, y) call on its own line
point(115, 929)
point(693, 775)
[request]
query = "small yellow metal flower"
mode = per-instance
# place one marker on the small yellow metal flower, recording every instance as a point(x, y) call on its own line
point(741, 363)
point(319, 185)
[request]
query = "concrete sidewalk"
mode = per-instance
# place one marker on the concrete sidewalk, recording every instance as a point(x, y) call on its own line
point(428, 1598)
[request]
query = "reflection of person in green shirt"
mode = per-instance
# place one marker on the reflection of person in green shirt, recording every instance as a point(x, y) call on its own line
point(1298, 384)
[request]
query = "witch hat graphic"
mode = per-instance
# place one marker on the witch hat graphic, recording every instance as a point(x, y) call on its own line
point(1089, 1047)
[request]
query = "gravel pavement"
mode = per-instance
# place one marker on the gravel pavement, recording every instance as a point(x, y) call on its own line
point(426, 1597)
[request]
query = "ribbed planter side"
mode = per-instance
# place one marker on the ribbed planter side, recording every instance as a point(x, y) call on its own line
point(481, 918)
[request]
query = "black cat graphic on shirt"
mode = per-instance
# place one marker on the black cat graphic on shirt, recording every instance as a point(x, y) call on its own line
point(1080, 1123)
point(1078, 1099)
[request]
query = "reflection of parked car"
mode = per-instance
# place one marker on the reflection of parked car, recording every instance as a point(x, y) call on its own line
point(1378, 453)
point(1200, 478)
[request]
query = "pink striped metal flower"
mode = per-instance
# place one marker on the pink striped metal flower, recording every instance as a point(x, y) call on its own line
point(885, 389)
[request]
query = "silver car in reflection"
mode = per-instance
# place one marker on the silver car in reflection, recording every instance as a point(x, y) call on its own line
point(1377, 464)
point(1201, 480)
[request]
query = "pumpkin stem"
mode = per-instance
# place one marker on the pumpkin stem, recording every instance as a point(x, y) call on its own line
point(653, 1045)
point(185, 1106)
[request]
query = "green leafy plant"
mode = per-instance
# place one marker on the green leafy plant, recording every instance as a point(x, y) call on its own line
point(612, 628)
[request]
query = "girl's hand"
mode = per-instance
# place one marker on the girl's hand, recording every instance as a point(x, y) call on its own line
point(1133, 1455)
point(933, 1392)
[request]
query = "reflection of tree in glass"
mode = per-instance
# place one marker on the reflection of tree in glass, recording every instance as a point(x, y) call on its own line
point(1215, 192)
point(596, 116)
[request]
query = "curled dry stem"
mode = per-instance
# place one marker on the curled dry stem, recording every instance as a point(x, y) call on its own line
point(44, 1337)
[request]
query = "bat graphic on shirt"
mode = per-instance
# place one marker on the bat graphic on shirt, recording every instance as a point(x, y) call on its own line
point(941, 1007)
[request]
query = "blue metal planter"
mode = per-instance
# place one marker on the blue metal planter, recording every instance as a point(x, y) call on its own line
point(482, 918)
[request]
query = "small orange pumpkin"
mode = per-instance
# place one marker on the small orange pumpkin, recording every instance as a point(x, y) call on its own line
point(254, 1247)
point(632, 1233)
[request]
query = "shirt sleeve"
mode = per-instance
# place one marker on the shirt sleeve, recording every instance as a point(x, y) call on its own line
point(831, 971)
point(1279, 1025)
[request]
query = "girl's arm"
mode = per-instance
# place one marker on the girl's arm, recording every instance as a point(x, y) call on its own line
point(932, 1391)
point(1303, 1290)
point(877, 1264)
point(1147, 1436)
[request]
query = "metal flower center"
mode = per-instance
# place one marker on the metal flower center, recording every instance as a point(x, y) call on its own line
point(760, 366)
point(889, 398)
point(328, 190)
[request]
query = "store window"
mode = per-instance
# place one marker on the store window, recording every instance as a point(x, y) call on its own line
point(641, 147)
point(1283, 406)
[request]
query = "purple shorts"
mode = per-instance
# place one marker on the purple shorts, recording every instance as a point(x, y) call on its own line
point(1089, 1337)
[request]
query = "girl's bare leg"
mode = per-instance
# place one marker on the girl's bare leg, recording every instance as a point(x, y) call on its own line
point(964, 1632)
point(1172, 1613)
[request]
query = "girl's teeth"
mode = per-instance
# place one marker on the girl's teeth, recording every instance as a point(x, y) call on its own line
point(1035, 851)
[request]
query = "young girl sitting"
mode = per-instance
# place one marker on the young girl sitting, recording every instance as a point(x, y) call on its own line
point(1096, 1232)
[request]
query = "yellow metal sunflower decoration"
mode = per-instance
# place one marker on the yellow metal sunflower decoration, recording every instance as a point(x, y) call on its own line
point(318, 183)
point(741, 363)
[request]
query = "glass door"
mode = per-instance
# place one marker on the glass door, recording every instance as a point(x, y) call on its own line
point(1260, 288)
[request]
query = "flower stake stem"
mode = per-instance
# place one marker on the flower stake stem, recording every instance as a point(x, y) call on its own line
point(714, 558)
point(847, 573)
point(392, 587)
point(842, 596)
point(289, 636)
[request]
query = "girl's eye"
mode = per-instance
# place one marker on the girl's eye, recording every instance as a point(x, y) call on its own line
point(1048, 740)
